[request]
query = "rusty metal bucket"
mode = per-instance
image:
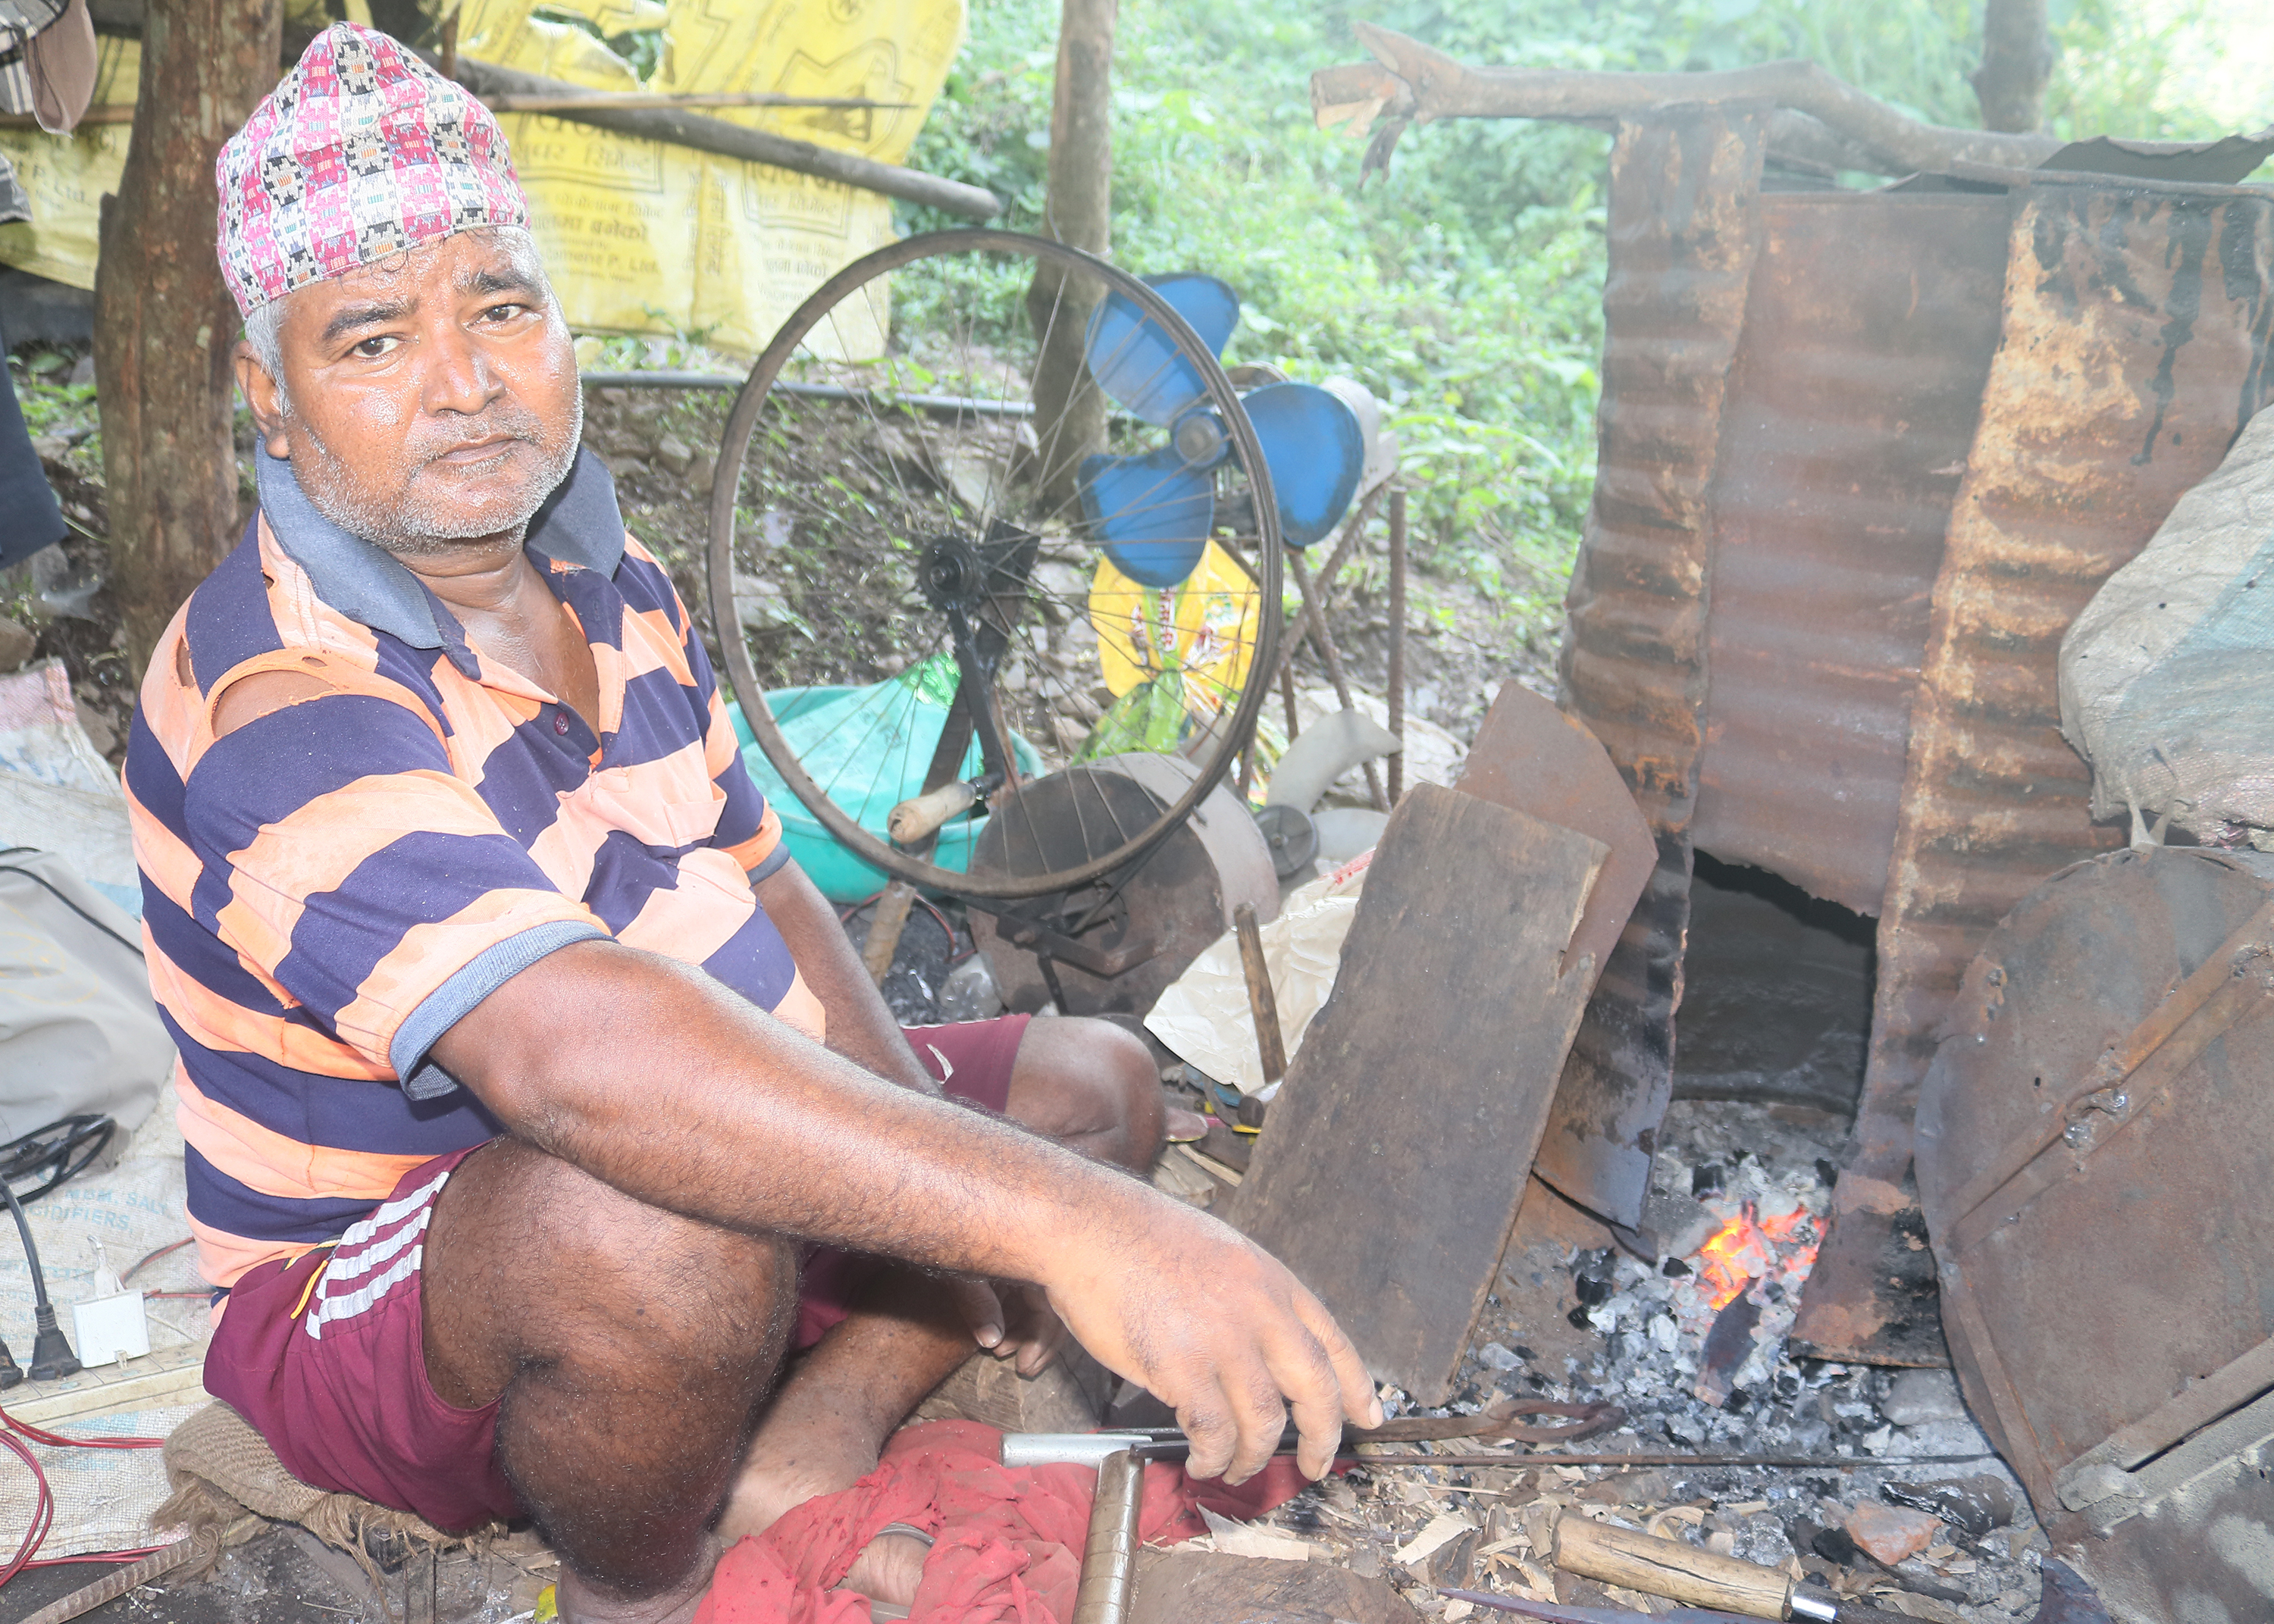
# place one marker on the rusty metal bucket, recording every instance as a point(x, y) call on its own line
point(2095, 1153)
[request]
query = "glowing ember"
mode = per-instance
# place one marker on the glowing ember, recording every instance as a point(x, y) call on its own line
point(1749, 1247)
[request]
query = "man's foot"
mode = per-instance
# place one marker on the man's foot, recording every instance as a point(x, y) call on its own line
point(580, 1604)
point(889, 1568)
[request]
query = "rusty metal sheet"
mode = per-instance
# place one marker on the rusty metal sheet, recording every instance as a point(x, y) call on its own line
point(2132, 349)
point(1869, 331)
point(2090, 1139)
point(1389, 1173)
point(1683, 239)
point(1545, 763)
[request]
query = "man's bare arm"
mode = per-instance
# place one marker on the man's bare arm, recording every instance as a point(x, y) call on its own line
point(649, 1075)
point(861, 1024)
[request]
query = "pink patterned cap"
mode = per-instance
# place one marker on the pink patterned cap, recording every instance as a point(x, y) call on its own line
point(360, 151)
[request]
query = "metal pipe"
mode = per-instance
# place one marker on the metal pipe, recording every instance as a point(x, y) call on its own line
point(1396, 682)
point(953, 405)
point(1108, 1558)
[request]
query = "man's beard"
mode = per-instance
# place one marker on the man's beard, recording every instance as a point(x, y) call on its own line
point(403, 529)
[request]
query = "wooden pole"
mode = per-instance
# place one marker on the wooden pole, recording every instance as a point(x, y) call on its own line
point(1069, 408)
point(1395, 680)
point(682, 128)
point(164, 324)
point(2017, 60)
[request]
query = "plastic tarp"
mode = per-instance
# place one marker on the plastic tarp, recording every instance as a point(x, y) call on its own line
point(1204, 1016)
point(2163, 677)
point(639, 236)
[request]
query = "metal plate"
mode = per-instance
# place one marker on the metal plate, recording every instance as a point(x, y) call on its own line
point(1682, 237)
point(2100, 1227)
point(1869, 330)
point(1388, 1174)
point(2133, 349)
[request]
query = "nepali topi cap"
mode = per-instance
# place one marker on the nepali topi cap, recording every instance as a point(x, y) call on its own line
point(361, 151)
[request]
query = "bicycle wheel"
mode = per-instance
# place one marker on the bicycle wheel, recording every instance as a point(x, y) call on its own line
point(1009, 590)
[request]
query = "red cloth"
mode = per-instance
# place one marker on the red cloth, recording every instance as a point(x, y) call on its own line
point(1009, 1542)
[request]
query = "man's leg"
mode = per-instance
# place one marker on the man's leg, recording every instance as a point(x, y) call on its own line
point(1093, 1087)
point(629, 1348)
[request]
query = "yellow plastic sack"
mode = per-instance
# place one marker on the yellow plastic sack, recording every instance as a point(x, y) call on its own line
point(642, 238)
point(66, 176)
point(1204, 628)
point(639, 236)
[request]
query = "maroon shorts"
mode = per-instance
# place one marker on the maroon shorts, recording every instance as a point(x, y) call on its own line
point(326, 1355)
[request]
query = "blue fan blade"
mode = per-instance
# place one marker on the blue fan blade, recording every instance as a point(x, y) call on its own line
point(1316, 450)
point(1152, 513)
point(1135, 361)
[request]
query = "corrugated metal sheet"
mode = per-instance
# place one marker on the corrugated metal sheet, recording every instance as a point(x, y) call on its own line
point(1868, 336)
point(1682, 245)
point(2133, 349)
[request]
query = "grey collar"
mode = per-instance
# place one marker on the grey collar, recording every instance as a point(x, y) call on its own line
point(579, 523)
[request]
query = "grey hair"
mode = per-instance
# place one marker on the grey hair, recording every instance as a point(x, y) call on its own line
point(262, 321)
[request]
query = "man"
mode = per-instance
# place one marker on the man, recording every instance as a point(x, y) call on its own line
point(502, 1011)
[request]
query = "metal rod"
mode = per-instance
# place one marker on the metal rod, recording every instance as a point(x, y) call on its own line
point(1109, 1557)
point(1323, 641)
point(603, 100)
point(1292, 638)
point(1287, 694)
point(1396, 682)
point(1261, 1003)
point(953, 405)
point(1509, 1458)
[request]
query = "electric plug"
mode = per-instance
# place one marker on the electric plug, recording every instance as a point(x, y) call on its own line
point(52, 1358)
point(10, 1374)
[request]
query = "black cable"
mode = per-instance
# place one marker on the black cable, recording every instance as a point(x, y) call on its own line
point(51, 1351)
point(85, 1137)
point(134, 948)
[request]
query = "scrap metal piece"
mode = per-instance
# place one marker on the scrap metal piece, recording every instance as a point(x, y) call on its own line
point(2133, 351)
point(1682, 242)
point(1421, 1090)
point(2110, 1301)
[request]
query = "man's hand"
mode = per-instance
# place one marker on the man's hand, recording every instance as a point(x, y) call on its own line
point(1211, 1325)
point(1012, 1321)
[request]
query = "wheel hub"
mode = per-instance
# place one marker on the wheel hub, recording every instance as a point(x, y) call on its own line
point(952, 574)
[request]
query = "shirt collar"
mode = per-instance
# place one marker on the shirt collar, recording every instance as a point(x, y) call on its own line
point(579, 523)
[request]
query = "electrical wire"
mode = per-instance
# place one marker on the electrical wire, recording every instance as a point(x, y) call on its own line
point(151, 1258)
point(41, 880)
point(19, 1436)
point(68, 1147)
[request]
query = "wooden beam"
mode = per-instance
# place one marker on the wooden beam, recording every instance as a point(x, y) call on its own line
point(680, 128)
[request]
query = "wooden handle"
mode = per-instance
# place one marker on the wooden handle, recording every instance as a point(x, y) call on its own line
point(915, 820)
point(1667, 1568)
point(1261, 1003)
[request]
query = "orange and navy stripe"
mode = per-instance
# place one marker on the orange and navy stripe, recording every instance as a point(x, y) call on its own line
point(328, 888)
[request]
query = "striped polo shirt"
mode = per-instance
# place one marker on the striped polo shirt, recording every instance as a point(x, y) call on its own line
point(328, 888)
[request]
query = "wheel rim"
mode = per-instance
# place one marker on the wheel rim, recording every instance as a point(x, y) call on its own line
point(958, 531)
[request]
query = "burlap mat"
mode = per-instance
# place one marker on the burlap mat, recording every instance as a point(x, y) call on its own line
point(228, 1486)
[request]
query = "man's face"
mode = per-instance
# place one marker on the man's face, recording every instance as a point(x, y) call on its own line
point(427, 399)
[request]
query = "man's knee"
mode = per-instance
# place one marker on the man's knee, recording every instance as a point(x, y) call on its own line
point(1090, 1084)
point(533, 1260)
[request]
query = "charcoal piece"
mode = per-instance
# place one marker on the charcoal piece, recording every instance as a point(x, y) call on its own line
point(1706, 1180)
point(1728, 1344)
point(1973, 1506)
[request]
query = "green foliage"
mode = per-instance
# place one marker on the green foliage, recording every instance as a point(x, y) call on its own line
point(1465, 292)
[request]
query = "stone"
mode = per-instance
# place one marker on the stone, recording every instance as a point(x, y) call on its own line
point(673, 453)
point(1918, 1396)
point(702, 473)
point(16, 644)
point(98, 731)
point(1888, 1534)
